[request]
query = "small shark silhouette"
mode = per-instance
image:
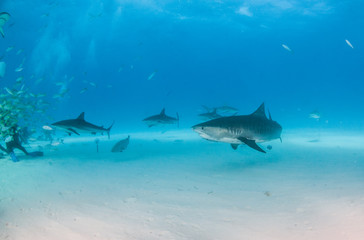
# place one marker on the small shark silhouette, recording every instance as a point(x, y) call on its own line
point(210, 114)
point(80, 125)
point(161, 118)
point(236, 130)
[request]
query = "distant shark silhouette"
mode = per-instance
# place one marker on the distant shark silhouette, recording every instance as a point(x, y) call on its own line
point(210, 114)
point(242, 129)
point(161, 118)
point(4, 17)
point(80, 125)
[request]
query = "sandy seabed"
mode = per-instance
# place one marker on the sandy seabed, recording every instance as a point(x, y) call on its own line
point(178, 186)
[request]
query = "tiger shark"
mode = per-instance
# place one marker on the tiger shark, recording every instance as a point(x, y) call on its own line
point(80, 125)
point(4, 17)
point(161, 118)
point(242, 129)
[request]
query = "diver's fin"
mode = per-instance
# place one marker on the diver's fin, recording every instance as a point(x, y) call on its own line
point(72, 130)
point(82, 116)
point(163, 112)
point(260, 112)
point(234, 146)
point(251, 143)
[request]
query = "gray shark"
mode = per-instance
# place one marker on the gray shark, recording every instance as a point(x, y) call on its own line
point(247, 129)
point(161, 118)
point(210, 114)
point(4, 17)
point(80, 125)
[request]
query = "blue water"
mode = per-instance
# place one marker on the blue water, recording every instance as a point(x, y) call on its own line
point(203, 53)
point(124, 60)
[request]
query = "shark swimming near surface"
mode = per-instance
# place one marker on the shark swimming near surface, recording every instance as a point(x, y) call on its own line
point(161, 118)
point(4, 17)
point(242, 129)
point(80, 125)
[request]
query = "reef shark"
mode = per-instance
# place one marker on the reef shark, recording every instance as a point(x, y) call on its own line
point(242, 129)
point(80, 125)
point(4, 17)
point(161, 118)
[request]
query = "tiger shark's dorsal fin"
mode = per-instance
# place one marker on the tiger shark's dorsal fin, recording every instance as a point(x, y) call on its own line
point(81, 117)
point(163, 112)
point(260, 112)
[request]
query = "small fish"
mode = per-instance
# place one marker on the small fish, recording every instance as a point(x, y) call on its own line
point(63, 91)
point(19, 69)
point(19, 79)
point(2, 69)
point(83, 90)
point(286, 47)
point(40, 95)
point(47, 128)
point(315, 115)
point(9, 91)
point(152, 75)
point(19, 51)
point(347, 42)
point(8, 49)
point(121, 145)
point(92, 84)
point(39, 80)
point(94, 16)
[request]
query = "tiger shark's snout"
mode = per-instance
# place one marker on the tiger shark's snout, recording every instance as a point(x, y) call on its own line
point(199, 128)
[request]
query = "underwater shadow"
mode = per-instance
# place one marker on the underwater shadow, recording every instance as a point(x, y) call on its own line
point(247, 163)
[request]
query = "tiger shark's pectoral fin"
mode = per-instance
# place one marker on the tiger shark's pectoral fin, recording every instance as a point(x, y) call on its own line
point(2, 32)
point(251, 143)
point(72, 130)
point(234, 146)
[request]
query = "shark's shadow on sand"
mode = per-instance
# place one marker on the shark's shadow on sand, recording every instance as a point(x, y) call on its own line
point(244, 162)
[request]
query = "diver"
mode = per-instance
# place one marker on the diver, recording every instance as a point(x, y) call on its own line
point(14, 141)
